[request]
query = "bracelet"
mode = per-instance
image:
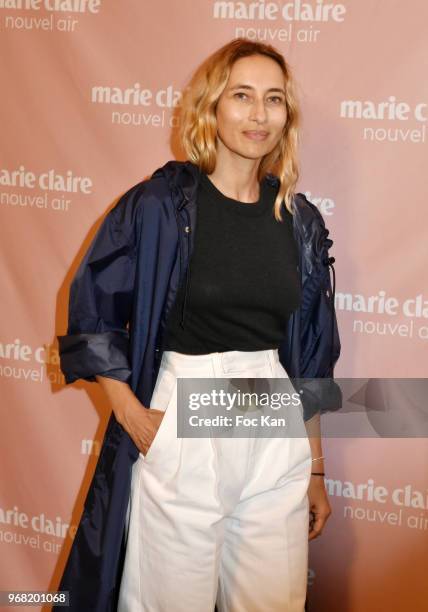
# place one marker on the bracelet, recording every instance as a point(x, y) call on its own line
point(318, 473)
point(316, 459)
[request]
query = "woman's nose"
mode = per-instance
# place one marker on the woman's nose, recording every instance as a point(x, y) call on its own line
point(258, 110)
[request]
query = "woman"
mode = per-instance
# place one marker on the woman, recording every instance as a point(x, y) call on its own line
point(173, 523)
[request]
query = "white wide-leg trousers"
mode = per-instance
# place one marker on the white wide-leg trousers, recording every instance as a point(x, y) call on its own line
point(217, 520)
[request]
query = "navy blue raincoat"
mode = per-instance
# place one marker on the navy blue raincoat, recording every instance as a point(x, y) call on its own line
point(120, 299)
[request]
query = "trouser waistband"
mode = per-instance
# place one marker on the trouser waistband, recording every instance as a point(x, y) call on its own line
point(226, 362)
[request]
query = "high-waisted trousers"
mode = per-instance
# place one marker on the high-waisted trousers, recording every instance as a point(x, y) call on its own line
point(217, 520)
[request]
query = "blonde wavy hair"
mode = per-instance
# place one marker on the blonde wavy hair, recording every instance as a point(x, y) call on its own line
point(198, 124)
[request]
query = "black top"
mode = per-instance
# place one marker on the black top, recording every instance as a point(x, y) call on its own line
point(244, 279)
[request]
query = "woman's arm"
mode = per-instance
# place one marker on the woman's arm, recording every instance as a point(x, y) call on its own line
point(326, 395)
point(139, 423)
point(96, 347)
point(120, 396)
point(313, 429)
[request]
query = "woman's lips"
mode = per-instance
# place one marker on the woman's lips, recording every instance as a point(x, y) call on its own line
point(256, 135)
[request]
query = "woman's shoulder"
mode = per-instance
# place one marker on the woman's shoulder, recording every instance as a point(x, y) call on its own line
point(312, 226)
point(148, 193)
point(306, 207)
point(163, 180)
point(308, 214)
point(154, 187)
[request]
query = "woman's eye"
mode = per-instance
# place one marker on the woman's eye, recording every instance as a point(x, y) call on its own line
point(275, 99)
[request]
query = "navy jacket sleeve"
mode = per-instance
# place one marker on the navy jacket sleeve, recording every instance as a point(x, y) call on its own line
point(328, 341)
point(100, 302)
point(321, 335)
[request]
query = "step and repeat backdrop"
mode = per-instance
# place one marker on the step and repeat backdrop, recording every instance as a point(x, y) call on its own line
point(89, 107)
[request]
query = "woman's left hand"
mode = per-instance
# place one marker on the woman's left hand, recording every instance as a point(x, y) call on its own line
point(319, 506)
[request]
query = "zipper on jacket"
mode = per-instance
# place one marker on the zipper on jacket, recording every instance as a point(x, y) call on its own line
point(187, 230)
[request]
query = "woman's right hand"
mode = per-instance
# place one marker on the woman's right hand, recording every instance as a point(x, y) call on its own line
point(139, 422)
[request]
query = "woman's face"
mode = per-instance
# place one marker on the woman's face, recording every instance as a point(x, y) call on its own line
point(251, 111)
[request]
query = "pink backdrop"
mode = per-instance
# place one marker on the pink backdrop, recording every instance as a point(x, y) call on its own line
point(74, 141)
